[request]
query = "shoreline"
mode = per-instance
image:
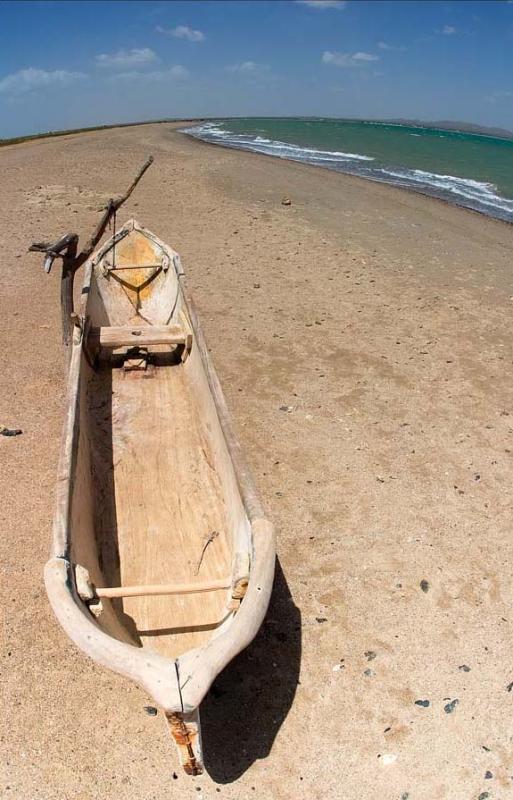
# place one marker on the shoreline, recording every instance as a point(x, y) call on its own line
point(388, 184)
point(177, 125)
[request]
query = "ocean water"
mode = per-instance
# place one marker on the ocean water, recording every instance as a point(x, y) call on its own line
point(466, 169)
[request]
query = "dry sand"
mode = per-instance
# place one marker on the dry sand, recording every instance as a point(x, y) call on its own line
point(382, 319)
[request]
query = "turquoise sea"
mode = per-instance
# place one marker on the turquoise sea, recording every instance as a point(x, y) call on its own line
point(467, 169)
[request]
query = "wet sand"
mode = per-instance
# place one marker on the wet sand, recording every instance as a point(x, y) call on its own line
point(380, 321)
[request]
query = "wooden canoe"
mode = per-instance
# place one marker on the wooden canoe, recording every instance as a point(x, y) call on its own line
point(162, 561)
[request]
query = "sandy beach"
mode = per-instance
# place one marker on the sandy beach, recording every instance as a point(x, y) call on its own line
point(362, 336)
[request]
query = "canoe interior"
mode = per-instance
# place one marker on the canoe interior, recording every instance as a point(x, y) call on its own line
point(153, 478)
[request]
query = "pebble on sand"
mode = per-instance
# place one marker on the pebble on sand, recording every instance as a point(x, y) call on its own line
point(423, 703)
point(449, 707)
point(10, 431)
point(424, 585)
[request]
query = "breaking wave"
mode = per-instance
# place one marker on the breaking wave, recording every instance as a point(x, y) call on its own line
point(477, 195)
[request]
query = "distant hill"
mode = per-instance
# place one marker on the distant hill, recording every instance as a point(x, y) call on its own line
point(451, 125)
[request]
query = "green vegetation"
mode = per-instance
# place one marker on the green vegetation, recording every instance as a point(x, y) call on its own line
point(48, 134)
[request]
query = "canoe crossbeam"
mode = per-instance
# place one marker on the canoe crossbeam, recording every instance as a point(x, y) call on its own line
point(162, 589)
point(112, 337)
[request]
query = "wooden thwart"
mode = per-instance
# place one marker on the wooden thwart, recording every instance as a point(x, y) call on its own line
point(118, 268)
point(166, 588)
point(111, 336)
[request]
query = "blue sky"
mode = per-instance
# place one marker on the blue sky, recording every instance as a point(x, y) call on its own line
point(70, 64)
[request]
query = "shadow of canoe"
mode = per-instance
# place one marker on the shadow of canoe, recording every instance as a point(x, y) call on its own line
point(248, 702)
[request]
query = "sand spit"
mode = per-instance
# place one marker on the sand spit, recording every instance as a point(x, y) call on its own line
point(362, 336)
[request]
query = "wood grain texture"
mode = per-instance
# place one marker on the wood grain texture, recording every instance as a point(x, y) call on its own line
point(163, 588)
point(153, 488)
point(136, 336)
point(164, 499)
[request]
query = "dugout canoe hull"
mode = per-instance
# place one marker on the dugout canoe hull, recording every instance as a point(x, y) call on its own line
point(154, 499)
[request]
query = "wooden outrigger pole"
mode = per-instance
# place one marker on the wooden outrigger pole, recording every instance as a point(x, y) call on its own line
point(66, 248)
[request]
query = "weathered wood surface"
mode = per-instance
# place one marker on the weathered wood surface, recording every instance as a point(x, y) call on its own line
point(110, 210)
point(163, 589)
point(153, 486)
point(112, 336)
point(67, 248)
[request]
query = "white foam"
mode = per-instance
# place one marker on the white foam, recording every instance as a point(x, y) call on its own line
point(468, 192)
point(485, 194)
point(273, 147)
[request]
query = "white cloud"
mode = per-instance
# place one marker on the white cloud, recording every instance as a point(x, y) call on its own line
point(182, 32)
point(386, 46)
point(27, 80)
point(135, 57)
point(321, 4)
point(365, 57)
point(155, 76)
point(247, 67)
point(499, 94)
point(447, 30)
point(346, 59)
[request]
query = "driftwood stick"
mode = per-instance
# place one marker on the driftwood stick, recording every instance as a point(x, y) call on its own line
point(67, 300)
point(54, 250)
point(66, 247)
point(110, 210)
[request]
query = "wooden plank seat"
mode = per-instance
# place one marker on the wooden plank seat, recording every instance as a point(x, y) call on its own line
point(111, 337)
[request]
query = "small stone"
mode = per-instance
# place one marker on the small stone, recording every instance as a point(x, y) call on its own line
point(509, 687)
point(483, 796)
point(370, 655)
point(449, 707)
point(10, 431)
point(488, 775)
point(151, 711)
point(287, 409)
point(286, 201)
point(369, 673)
point(464, 668)
point(320, 620)
point(423, 703)
point(256, 286)
point(424, 585)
